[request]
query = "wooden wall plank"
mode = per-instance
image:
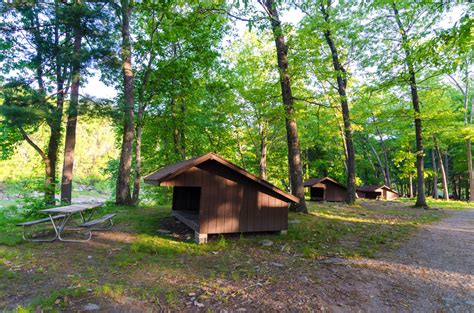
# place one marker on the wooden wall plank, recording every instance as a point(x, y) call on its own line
point(268, 212)
point(251, 199)
point(227, 206)
point(273, 212)
point(205, 203)
point(220, 220)
point(263, 211)
point(237, 207)
point(212, 203)
point(258, 212)
point(243, 222)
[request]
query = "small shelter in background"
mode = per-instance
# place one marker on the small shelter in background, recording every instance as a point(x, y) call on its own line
point(377, 192)
point(325, 189)
point(213, 196)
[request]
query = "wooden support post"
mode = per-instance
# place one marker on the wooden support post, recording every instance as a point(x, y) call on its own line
point(200, 238)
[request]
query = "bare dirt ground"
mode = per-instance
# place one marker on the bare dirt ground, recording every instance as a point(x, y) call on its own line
point(433, 271)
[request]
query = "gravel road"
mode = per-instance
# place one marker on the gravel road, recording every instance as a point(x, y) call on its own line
point(432, 272)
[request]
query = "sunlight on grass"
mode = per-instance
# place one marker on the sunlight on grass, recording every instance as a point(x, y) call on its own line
point(115, 291)
point(159, 246)
point(354, 219)
point(442, 204)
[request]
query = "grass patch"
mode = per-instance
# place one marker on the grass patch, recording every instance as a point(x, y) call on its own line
point(164, 247)
point(56, 301)
point(10, 233)
point(441, 204)
point(352, 231)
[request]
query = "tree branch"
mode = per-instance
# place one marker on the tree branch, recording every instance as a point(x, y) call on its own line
point(35, 146)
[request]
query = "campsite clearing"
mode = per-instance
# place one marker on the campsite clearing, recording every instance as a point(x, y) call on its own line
point(329, 258)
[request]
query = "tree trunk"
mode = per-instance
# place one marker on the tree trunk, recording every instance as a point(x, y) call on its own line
point(446, 164)
point(455, 189)
point(459, 186)
point(138, 160)
point(70, 139)
point(174, 116)
point(435, 175)
point(372, 165)
point(344, 145)
point(410, 186)
point(139, 127)
point(50, 177)
point(470, 171)
point(294, 153)
point(421, 200)
point(122, 195)
point(182, 132)
point(341, 89)
point(55, 124)
point(387, 179)
point(241, 150)
point(379, 161)
point(262, 164)
point(466, 190)
point(444, 178)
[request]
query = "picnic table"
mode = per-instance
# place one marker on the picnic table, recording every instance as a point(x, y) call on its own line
point(60, 216)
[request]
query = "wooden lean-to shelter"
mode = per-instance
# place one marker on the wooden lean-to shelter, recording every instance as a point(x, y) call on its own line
point(213, 196)
point(325, 189)
point(377, 192)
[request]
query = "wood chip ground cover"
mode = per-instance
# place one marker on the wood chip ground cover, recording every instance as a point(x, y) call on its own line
point(338, 258)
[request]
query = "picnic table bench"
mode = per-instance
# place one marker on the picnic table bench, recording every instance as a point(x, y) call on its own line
point(100, 220)
point(60, 216)
point(36, 222)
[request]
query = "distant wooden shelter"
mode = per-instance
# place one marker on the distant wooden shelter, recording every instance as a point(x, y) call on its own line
point(325, 189)
point(213, 196)
point(377, 192)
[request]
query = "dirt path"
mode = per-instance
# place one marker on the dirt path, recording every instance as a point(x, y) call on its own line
point(432, 272)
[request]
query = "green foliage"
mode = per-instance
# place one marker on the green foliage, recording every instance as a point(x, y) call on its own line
point(206, 85)
point(11, 235)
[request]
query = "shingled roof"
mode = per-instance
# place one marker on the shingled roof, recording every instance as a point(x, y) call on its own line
point(374, 188)
point(171, 171)
point(313, 181)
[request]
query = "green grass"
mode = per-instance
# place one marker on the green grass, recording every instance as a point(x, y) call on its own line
point(441, 204)
point(351, 231)
point(56, 301)
point(10, 233)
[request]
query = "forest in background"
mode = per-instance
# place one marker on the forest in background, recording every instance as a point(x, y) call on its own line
point(368, 93)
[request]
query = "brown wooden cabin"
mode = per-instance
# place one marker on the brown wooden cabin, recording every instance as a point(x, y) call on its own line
point(377, 192)
point(213, 196)
point(326, 189)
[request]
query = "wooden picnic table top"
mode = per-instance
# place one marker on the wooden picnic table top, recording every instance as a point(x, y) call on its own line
point(69, 209)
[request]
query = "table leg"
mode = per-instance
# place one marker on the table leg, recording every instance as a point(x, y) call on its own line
point(89, 217)
point(40, 240)
point(54, 226)
point(62, 226)
point(91, 214)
